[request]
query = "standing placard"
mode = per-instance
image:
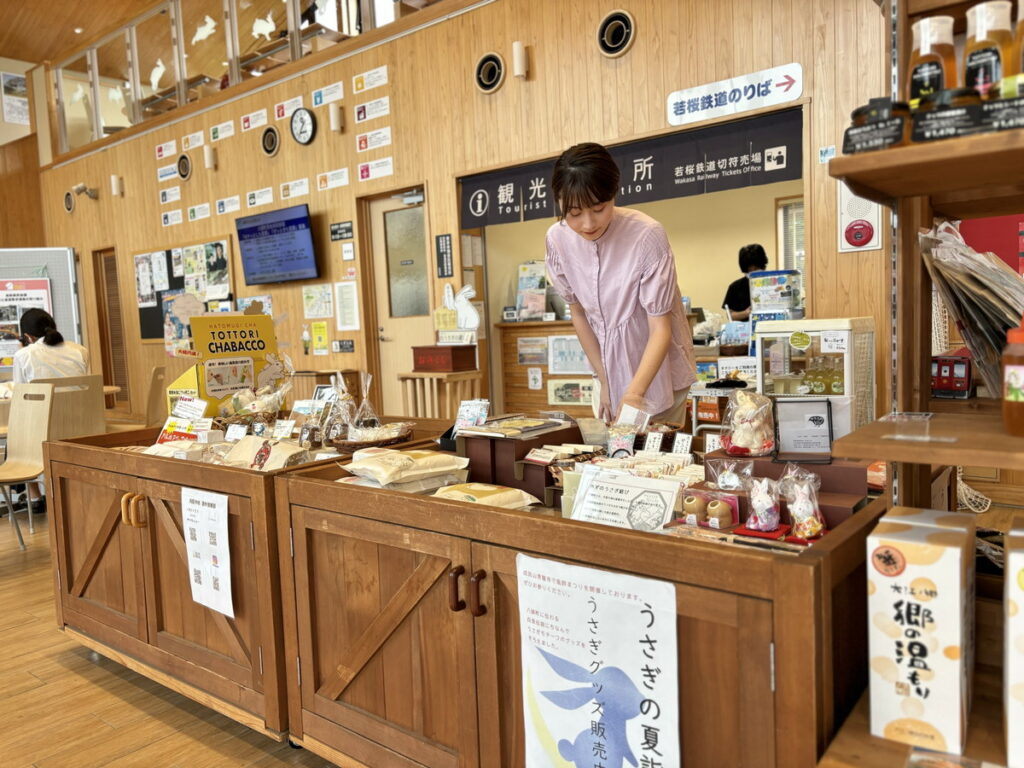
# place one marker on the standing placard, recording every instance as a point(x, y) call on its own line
point(600, 671)
point(204, 518)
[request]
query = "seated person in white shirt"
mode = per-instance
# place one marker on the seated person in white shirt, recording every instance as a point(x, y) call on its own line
point(47, 355)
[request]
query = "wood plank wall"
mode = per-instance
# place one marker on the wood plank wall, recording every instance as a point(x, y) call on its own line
point(443, 128)
point(21, 221)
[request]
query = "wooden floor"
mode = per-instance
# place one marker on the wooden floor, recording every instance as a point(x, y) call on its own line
point(62, 706)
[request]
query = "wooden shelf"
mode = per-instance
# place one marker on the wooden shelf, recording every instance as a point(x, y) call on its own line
point(965, 178)
point(973, 405)
point(855, 747)
point(978, 440)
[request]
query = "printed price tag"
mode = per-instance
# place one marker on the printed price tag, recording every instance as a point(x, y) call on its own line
point(189, 407)
point(835, 341)
point(283, 429)
point(682, 443)
point(712, 442)
point(653, 441)
point(236, 432)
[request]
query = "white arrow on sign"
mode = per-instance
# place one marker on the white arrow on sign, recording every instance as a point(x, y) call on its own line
point(745, 93)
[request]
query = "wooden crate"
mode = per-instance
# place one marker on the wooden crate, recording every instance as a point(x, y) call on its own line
point(772, 646)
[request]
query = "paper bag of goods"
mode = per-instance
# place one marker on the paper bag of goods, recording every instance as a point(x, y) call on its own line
point(920, 633)
point(387, 466)
point(491, 495)
point(265, 454)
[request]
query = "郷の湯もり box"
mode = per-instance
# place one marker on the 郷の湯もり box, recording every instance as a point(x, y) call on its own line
point(921, 627)
point(1013, 648)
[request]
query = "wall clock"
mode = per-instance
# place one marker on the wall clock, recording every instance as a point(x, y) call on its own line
point(303, 124)
point(270, 141)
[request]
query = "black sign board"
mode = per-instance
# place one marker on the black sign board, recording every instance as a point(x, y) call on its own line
point(443, 249)
point(346, 345)
point(341, 230)
point(743, 153)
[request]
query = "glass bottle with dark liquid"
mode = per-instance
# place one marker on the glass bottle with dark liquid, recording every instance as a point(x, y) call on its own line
point(988, 54)
point(933, 58)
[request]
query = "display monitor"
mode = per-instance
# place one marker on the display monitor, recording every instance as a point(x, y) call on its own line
point(277, 246)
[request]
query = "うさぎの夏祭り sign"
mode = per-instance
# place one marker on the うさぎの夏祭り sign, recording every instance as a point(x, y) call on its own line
point(236, 352)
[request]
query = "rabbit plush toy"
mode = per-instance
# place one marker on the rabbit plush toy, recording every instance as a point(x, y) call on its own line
point(752, 431)
point(764, 509)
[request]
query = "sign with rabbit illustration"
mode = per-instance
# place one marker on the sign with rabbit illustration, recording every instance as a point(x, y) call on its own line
point(600, 677)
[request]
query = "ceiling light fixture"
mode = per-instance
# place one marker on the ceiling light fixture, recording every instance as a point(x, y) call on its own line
point(78, 30)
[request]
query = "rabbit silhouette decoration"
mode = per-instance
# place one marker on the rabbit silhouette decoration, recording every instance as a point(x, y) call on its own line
point(621, 703)
point(764, 510)
point(807, 521)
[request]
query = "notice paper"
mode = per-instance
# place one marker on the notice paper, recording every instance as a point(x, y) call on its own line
point(600, 669)
point(347, 295)
point(624, 501)
point(205, 526)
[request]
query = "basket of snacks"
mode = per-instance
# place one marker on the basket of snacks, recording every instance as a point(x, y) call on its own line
point(378, 436)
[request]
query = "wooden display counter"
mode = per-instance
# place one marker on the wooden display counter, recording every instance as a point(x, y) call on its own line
point(402, 615)
point(122, 583)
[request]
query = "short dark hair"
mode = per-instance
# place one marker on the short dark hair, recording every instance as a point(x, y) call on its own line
point(584, 175)
point(39, 324)
point(753, 258)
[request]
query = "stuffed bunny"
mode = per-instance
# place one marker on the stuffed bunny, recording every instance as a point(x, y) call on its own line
point(752, 431)
point(764, 510)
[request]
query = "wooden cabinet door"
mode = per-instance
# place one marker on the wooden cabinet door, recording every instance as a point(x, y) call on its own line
point(725, 672)
point(203, 638)
point(384, 658)
point(98, 555)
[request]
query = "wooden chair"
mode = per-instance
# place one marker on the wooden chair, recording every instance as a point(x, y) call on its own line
point(77, 406)
point(437, 395)
point(156, 404)
point(28, 427)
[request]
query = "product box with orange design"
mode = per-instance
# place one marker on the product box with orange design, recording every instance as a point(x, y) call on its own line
point(921, 628)
point(1013, 694)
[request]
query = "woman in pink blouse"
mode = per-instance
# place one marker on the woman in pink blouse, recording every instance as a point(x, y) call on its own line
point(615, 269)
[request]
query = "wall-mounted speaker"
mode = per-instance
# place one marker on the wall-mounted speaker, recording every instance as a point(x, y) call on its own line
point(69, 202)
point(615, 34)
point(490, 72)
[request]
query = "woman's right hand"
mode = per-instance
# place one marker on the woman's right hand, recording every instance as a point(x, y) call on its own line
point(604, 410)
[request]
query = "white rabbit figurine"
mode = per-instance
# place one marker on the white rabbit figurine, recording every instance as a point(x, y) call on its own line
point(764, 510)
point(807, 522)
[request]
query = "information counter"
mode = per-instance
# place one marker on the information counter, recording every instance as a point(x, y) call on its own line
point(402, 614)
point(122, 580)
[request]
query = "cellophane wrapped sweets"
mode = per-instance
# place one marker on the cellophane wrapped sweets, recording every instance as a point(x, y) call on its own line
point(729, 474)
point(386, 466)
point(491, 495)
point(764, 505)
point(422, 485)
point(366, 417)
point(921, 627)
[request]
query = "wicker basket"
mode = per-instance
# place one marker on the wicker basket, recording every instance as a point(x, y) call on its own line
point(347, 447)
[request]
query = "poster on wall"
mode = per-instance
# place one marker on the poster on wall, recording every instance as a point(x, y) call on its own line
point(218, 284)
point(570, 391)
point(532, 350)
point(600, 666)
point(15, 98)
point(319, 330)
point(566, 355)
point(178, 309)
point(256, 305)
point(204, 518)
point(145, 295)
point(16, 297)
point(317, 301)
point(347, 293)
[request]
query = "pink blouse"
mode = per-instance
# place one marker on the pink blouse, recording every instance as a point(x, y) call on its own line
point(619, 279)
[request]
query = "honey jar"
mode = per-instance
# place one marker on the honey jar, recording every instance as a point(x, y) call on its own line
point(933, 58)
point(988, 53)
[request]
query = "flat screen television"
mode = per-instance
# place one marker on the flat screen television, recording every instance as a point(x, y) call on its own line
point(276, 246)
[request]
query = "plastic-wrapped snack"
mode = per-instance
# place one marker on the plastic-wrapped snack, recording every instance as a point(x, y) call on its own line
point(729, 474)
point(793, 473)
point(749, 425)
point(808, 522)
point(621, 439)
point(764, 505)
point(366, 416)
point(387, 466)
point(492, 495)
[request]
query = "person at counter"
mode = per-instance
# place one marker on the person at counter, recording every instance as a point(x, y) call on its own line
point(615, 269)
point(46, 355)
point(737, 297)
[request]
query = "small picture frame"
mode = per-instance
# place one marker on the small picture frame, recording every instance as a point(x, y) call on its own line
point(803, 430)
point(509, 314)
point(324, 392)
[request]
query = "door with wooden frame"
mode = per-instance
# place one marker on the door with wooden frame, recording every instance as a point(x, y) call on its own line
point(98, 551)
point(386, 670)
point(113, 352)
point(727, 688)
point(205, 638)
point(401, 290)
